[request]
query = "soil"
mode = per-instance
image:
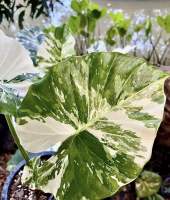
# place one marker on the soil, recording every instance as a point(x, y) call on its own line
point(20, 192)
point(3, 172)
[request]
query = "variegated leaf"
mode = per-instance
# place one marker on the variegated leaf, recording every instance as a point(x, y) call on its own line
point(14, 59)
point(106, 108)
point(16, 71)
point(59, 44)
point(148, 184)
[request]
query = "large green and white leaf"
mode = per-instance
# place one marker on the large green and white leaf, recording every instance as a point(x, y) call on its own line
point(59, 44)
point(106, 108)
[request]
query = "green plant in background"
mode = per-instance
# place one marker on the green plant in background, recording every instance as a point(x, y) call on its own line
point(164, 22)
point(145, 27)
point(83, 23)
point(100, 106)
point(157, 41)
point(123, 29)
point(148, 185)
point(119, 30)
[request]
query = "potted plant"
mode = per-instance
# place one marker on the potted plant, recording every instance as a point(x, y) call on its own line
point(103, 108)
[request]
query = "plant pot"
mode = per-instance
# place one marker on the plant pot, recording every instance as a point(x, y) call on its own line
point(9, 181)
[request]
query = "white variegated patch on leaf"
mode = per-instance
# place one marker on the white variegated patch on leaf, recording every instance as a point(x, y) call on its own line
point(59, 44)
point(14, 59)
point(105, 108)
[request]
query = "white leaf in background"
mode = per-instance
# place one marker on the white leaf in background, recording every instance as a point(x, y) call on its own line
point(14, 58)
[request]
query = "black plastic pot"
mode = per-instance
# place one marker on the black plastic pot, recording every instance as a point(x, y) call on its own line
point(10, 178)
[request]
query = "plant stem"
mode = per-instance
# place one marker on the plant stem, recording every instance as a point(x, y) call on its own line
point(16, 139)
point(164, 53)
point(154, 45)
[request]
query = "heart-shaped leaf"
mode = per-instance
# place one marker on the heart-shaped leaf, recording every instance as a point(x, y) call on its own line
point(106, 109)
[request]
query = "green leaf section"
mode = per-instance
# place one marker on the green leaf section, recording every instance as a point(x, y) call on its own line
point(120, 28)
point(148, 184)
point(84, 102)
point(86, 165)
point(83, 23)
point(59, 45)
point(121, 23)
point(164, 22)
point(154, 197)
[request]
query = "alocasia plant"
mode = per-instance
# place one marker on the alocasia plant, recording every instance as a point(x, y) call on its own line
point(104, 108)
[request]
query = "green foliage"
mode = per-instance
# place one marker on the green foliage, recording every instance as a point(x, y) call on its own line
point(148, 184)
point(83, 102)
point(154, 197)
point(79, 6)
point(164, 22)
point(59, 44)
point(148, 27)
point(121, 23)
point(99, 106)
point(92, 112)
point(120, 28)
point(84, 22)
point(111, 33)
